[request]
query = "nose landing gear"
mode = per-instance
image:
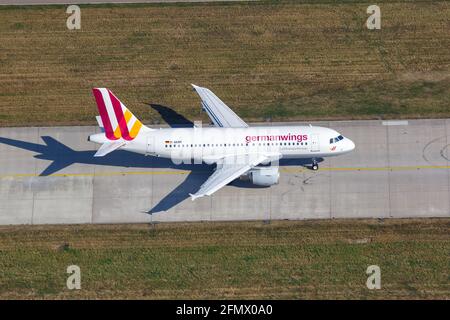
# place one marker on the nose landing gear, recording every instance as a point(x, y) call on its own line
point(315, 165)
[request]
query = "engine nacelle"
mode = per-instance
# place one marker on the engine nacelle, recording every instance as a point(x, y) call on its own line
point(264, 176)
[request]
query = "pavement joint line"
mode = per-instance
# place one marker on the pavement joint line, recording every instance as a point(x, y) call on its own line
point(184, 172)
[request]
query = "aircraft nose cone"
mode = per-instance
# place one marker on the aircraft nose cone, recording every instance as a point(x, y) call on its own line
point(351, 145)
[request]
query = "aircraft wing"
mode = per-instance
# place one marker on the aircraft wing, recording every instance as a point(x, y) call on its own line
point(226, 172)
point(220, 114)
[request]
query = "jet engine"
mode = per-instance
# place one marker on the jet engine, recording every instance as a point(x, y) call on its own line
point(264, 176)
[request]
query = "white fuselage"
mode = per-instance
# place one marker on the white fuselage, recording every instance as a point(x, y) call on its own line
point(210, 143)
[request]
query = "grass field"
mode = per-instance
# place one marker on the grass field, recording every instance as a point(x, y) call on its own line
point(292, 260)
point(278, 60)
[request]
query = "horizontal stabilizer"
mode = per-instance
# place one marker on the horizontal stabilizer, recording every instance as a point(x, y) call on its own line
point(109, 147)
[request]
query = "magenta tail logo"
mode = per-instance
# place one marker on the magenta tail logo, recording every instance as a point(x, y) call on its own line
point(118, 121)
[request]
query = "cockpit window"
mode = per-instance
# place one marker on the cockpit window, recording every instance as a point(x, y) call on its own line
point(334, 140)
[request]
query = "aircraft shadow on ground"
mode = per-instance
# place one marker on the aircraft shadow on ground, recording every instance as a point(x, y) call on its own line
point(171, 117)
point(62, 156)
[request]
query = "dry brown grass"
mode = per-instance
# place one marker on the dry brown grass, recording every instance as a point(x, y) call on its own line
point(285, 61)
point(283, 259)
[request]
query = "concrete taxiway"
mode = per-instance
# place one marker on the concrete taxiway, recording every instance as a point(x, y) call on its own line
point(49, 176)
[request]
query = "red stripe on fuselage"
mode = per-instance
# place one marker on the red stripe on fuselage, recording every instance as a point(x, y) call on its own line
point(109, 132)
point(120, 117)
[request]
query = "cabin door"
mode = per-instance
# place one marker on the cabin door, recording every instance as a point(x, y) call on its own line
point(315, 145)
point(150, 145)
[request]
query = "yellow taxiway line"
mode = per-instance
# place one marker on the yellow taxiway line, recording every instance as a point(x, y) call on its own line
point(396, 168)
point(181, 172)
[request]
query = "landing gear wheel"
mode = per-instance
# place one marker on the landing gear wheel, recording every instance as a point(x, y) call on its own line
point(315, 165)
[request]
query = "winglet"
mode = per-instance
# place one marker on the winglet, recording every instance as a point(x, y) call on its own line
point(195, 196)
point(195, 87)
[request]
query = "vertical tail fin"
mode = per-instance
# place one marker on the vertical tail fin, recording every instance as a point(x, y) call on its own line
point(118, 122)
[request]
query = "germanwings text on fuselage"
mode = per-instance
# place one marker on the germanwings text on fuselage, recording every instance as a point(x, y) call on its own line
point(288, 137)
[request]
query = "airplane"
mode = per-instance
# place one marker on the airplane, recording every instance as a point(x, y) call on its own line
point(237, 150)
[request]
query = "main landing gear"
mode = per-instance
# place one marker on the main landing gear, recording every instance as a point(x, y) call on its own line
point(315, 165)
